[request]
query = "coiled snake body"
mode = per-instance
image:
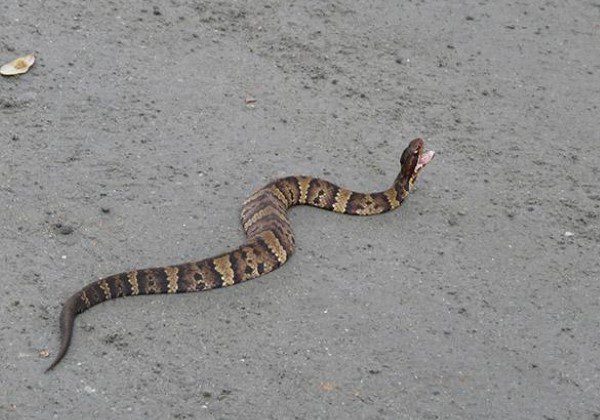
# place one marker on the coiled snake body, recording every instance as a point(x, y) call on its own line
point(270, 240)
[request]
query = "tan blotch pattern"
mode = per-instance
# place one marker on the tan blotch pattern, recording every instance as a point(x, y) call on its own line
point(369, 206)
point(133, 282)
point(260, 214)
point(392, 197)
point(280, 196)
point(223, 267)
point(172, 278)
point(341, 200)
point(303, 184)
point(105, 288)
point(85, 299)
point(274, 246)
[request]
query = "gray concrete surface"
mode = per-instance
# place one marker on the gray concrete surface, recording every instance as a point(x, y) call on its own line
point(478, 299)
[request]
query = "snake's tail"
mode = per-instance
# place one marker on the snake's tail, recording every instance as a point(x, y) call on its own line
point(67, 321)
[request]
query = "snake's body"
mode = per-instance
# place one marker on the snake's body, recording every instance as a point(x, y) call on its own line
point(270, 240)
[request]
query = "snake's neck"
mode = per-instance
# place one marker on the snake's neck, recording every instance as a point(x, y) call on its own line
point(401, 187)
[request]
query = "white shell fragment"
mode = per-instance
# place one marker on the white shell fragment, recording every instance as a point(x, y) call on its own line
point(19, 66)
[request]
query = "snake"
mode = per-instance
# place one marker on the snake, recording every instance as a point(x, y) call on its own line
point(270, 240)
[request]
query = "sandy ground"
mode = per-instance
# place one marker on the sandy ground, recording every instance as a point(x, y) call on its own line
point(129, 144)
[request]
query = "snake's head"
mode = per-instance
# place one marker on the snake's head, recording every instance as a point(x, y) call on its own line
point(413, 160)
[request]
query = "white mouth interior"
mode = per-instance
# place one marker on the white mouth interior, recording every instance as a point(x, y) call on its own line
point(424, 159)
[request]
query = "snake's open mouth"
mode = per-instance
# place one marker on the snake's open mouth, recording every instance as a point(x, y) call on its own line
point(424, 159)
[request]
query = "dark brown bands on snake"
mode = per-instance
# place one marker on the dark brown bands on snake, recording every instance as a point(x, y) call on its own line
point(270, 240)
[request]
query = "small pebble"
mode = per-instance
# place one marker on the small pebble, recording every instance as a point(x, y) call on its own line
point(569, 234)
point(63, 229)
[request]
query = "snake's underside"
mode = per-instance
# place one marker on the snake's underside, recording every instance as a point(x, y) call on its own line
point(270, 240)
